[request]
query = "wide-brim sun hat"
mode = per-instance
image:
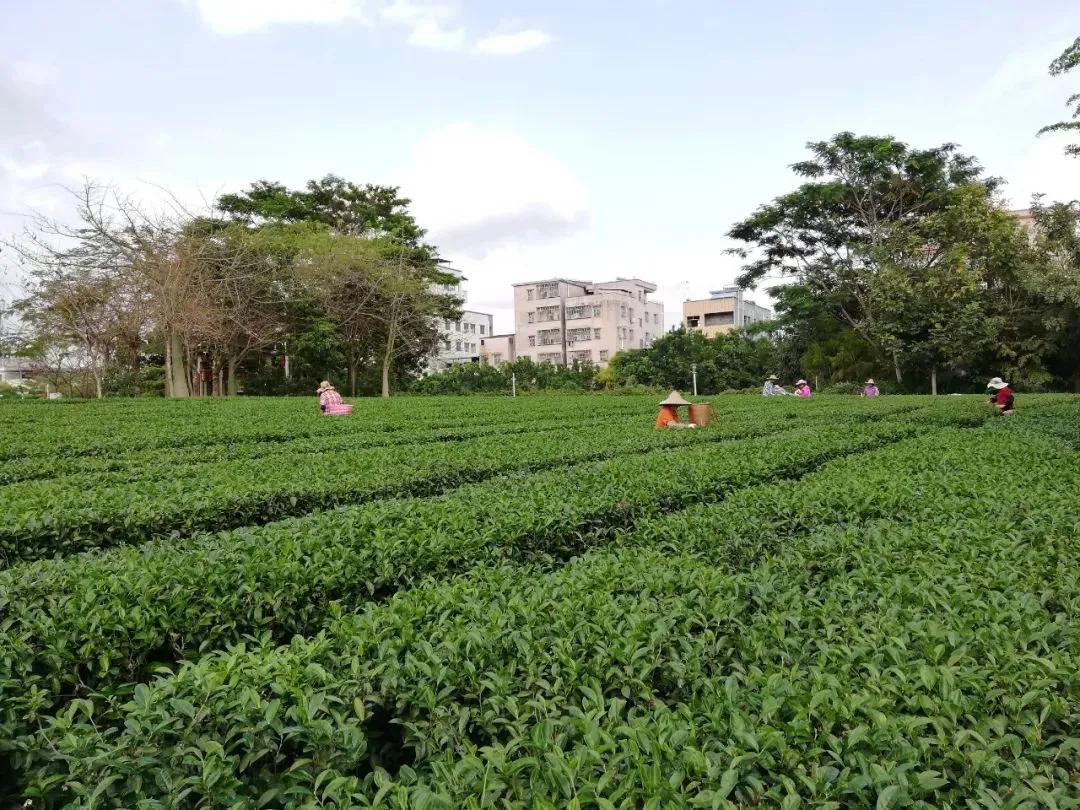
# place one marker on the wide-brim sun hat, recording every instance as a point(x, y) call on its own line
point(871, 381)
point(675, 398)
point(997, 382)
point(323, 386)
point(773, 377)
point(800, 382)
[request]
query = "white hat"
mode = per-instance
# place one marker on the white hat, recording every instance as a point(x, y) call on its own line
point(800, 382)
point(675, 398)
point(773, 377)
point(997, 383)
point(871, 381)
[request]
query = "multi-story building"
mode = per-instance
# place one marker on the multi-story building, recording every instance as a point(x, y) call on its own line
point(460, 338)
point(723, 311)
point(497, 349)
point(563, 321)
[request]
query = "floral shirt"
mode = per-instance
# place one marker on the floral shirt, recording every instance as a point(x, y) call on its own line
point(329, 397)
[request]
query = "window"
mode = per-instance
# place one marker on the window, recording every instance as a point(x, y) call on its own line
point(532, 340)
point(481, 329)
point(692, 321)
point(457, 347)
point(532, 317)
point(529, 294)
point(547, 313)
point(596, 334)
point(603, 355)
point(622, 311)
point(656, 319)
point(449, 325)
point(550, 337)
point(550, 357)
point(639, 323)
point(573, 313)
point(596, 312)
point(584, 356)
point(446, 345)
point(745, 319)
point(630, 313)
point(549, 289)
point(630, 333)
point(579, 334)
point(496, 358)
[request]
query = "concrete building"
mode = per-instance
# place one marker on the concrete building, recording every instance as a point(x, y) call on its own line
point(561, 320)
point(460, 339)
point(723, 311)
point(15, 370)
point(497, 349)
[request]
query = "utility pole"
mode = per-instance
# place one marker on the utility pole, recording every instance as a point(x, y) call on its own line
point(513, 383)
point(693, 370)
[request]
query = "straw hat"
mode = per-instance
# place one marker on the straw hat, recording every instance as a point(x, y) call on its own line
point(773, 377)
point(675, 398)
point(997, 383)
point(871, 381)
point(323, 386)
point(800, 382)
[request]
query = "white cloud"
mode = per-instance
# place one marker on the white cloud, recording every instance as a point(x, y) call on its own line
point(1024, 71)
point(229, 17)
point(477, 189)
point(426, 24)
point(1044, 169)
point(513, 43)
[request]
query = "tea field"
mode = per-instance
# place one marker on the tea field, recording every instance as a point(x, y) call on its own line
point(540, 603)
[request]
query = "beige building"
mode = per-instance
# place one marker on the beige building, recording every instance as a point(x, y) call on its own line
point(562, 321)
point(723, 311)
point(497, 349)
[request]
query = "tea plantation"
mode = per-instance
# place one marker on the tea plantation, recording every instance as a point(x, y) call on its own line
point(540, 603)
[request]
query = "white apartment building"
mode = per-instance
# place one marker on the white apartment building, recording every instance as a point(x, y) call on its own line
point(723, 311)
point(460, 339)
point(564, 321)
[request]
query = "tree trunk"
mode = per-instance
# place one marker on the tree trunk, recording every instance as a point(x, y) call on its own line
point(388, 358)
point(175, 373)
point(352, 377)
point(233, 362)
point(896, 368)
point(933, 380)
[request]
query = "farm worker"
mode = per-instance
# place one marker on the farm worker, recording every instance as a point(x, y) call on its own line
point(871, 389)
point(1002, 396)
point(802, 389)
point(769, 389)
point(327, 395)
point(669, 412)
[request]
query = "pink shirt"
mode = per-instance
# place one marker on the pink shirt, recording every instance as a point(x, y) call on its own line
point(803, 391)
point(329, 397)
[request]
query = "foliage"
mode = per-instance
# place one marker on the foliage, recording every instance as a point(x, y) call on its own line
point(527, 375)
point(837, 602)
point(725, 362)
point(1066, 61)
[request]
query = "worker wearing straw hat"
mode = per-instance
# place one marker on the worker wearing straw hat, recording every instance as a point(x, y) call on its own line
point(870, 389)
point(669, 412)
point(1001, 396)
point(802, 388)
point(328, 396)
point(770, 388)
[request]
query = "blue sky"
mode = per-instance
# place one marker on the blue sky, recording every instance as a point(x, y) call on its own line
point(589, 139)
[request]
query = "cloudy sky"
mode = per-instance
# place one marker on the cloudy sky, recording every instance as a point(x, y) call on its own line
point(584, 138)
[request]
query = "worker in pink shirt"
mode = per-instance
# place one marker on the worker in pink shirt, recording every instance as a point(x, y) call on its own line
point(802, 389)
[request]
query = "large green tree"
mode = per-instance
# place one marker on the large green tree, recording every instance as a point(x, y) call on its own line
point(895, 242)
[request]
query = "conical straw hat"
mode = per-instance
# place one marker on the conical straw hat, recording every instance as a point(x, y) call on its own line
point(675, 398)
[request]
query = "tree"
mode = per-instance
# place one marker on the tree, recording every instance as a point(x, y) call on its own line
point(1068, 60)
point(867, 238)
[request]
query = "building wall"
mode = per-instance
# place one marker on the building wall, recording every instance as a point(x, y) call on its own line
point(460, 340)
point(497, 349)
point(562, 321)
point(725, 311)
